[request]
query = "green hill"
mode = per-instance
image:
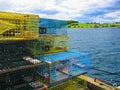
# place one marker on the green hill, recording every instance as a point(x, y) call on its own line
point(76, 24)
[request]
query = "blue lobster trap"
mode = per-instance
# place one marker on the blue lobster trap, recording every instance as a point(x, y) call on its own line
point(50, 26)
point(64, 65)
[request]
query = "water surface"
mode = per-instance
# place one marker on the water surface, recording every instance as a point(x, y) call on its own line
point(103, 44)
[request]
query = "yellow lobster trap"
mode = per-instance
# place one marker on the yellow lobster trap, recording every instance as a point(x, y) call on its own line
point(77, 83)
point(15, 26)
point(47, 44)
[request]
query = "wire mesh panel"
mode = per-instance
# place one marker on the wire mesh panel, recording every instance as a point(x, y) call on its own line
point(12, 79)
point(14, 56)
point(11, 55)
point(51, 26)
point(14, 26)
point(73, 84)
point(20, 80)
point(65, 65)
point(17, 67)
point(48, 44)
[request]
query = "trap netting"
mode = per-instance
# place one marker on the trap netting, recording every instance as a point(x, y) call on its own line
point(63, 65)
point(51, 26)
point(15, 26)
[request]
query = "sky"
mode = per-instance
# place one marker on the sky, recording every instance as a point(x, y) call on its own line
point(101, 11)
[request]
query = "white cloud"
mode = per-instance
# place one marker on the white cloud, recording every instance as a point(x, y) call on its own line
point(101, 20)
point(109, 17)
point(67, 9)
point(115, 14)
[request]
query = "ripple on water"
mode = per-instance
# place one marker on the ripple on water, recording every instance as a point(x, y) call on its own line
point(104, 47)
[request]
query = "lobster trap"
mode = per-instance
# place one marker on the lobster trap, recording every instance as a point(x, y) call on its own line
point(51, 26)
point(72, 84)
point(48, 44)
point(14, 26)
point(21, 80)
point(12, 57)
point(64, 65)
point(17, 67)
point(11, 54)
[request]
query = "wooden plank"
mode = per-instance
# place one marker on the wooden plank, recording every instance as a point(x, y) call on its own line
point(96, 82)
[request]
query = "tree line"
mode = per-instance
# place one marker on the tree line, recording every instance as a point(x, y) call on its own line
point(76, 24)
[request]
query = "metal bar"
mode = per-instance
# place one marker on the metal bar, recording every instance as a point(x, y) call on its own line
point(20, 68)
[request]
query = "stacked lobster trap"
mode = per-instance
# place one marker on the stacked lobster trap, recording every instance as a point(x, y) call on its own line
point(34, 51)
point(52, 47)
point(52, 38)
point(16, 72)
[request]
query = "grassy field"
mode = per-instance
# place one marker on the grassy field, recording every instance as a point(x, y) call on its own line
point(75, 24)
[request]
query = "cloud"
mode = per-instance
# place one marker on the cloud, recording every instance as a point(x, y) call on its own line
point(115, 14)
point(64, 9)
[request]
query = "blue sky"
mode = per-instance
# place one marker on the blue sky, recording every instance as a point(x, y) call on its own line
point(81, 10)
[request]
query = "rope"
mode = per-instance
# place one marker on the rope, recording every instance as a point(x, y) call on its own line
point(105, 71)
point(109, 73)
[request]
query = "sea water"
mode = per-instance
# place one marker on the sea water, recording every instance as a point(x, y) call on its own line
point(103, 44)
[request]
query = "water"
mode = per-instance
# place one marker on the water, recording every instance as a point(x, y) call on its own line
point(104, 47)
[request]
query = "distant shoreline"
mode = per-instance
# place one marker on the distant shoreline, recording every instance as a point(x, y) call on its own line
point(76, 24)
point(93, 27)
